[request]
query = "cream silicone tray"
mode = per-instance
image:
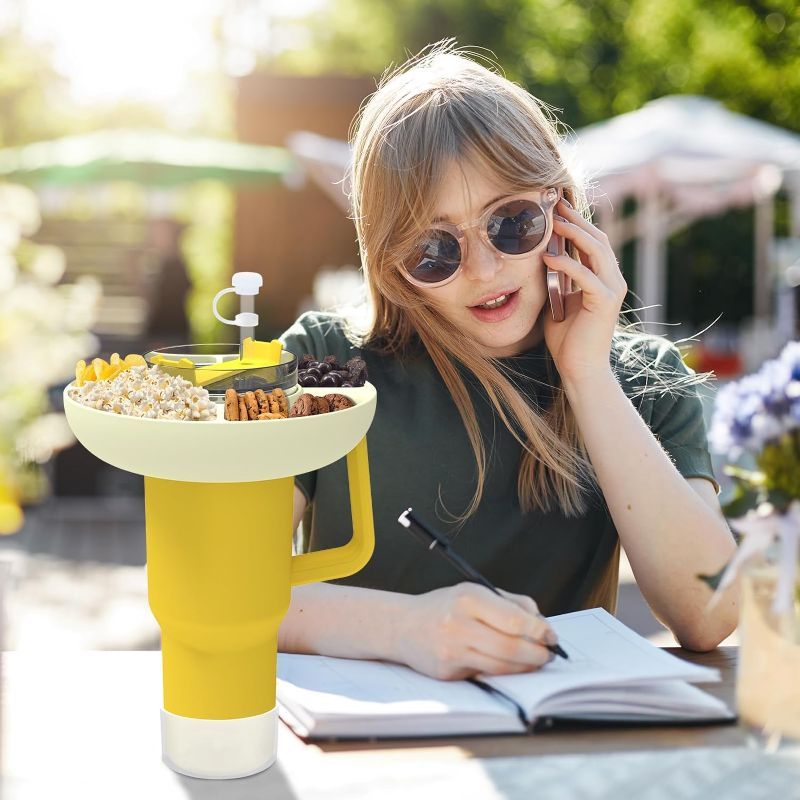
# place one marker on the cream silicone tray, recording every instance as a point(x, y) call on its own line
point(219, 451)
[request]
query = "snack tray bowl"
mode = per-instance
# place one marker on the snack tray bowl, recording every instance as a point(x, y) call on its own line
point(220, 451)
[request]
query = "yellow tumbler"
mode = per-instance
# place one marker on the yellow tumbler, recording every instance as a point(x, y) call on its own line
point(218, 513)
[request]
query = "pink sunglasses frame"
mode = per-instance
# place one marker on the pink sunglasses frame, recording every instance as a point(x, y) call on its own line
point(546, 199)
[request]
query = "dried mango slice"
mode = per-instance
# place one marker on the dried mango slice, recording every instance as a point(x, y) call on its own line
point(135, 360)
point(99, 366)
point(112, 371)
point(105, 371)
point(99, 369)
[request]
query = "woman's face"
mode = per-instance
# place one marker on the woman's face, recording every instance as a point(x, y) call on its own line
point(510, 328)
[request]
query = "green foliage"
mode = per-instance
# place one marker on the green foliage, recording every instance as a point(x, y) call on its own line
point(779, 464)
point(591, 60)
point(207, 246)
point(776, 481)
point(745, 496)
point(697, 289)
point(29, 86)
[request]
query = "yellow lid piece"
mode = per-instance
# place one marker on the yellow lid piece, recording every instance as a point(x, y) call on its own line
point(212, 373)
point(181, 363)
point(261, 354)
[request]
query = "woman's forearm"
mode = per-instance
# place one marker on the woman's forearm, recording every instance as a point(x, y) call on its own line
point(669, 533)
point(345, 621)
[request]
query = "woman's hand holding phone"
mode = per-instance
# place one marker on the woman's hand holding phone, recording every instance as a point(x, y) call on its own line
point(580, 344)
point(460, 631)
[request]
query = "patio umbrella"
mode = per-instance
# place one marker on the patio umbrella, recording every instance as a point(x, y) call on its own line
point(684, 141)
point(148, 157)
point(685, 157)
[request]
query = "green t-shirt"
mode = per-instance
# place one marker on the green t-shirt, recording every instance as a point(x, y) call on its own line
point(420, 457)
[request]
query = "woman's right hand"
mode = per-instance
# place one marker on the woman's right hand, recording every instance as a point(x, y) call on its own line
point(460, 631)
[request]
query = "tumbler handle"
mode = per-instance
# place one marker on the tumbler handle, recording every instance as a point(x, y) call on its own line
point(338, 562)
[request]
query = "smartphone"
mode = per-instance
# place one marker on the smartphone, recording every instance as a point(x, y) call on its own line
point(559, 285)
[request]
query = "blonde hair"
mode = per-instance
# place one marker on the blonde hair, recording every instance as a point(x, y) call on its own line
point(438, 107)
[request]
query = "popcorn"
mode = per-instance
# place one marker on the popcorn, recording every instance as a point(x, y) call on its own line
point(138, 391)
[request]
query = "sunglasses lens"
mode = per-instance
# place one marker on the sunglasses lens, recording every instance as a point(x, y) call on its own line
point(438, 259)
point(517, 227)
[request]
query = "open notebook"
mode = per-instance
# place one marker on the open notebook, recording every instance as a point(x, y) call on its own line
point(612, 674)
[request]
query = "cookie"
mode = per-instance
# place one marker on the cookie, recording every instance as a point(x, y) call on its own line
point(271, 416)
point(274, 405)
point(323, 406)
point(261, 399)
point(252, 405)
point(305, 406)
point(231, 405)
point(283, 401)
point(242, 409)
point(337, 402)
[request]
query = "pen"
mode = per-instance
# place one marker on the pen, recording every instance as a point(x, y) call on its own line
point(431, 538)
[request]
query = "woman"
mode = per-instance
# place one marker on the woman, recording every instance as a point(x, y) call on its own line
point(540, 445)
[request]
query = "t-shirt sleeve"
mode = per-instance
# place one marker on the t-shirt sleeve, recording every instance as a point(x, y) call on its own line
point(674, 412)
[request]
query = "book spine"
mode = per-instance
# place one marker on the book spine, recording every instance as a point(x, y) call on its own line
point(521, 715)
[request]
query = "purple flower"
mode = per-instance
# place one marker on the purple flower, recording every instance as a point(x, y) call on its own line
point(760, 407)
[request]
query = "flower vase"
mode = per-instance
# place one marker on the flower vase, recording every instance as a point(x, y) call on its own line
point(768, 676)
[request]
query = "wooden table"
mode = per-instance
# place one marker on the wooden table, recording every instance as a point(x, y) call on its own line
point(86, 724)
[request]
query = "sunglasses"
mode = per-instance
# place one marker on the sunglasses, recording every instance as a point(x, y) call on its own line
point(514, 227)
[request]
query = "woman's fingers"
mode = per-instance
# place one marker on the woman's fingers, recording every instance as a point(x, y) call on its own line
point(512, 650)
point(574, 217)
point(581, 275)
point(601, 258)
point(523, 601)
point(476, 662)
point(506, 616)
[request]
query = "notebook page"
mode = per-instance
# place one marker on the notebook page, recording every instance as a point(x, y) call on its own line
point(601, 651)
point(322, 687)
point(666, 699)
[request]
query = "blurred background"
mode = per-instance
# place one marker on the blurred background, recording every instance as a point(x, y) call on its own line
point(150, 149)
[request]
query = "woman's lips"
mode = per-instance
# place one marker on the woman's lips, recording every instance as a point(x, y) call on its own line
point(497, 314)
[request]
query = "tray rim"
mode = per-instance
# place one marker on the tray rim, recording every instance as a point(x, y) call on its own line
point(315, 390)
